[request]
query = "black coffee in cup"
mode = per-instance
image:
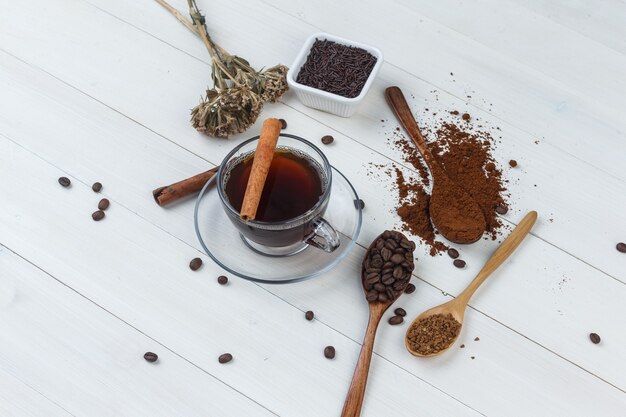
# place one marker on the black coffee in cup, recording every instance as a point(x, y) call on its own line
point(293, 186)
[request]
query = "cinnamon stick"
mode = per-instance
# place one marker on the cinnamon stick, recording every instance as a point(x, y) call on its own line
point(170, 193)
point(263, 156)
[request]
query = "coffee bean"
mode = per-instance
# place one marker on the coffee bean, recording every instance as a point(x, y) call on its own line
point(65, 182)
point(309, 315)
point(96, 187)
point(395, 320)
point(501, 209)
point(327, 139)
point(397, 258)
point(453, 253)
point(195, 264)
point(410, 289)
point(225, 358)
point(283, 123)
point(459, 263)
point(329, 352)
point(97, 215)
point(150, 356)
point(466, 116)
point(372, 295)
point(388, 280)
point(621, 246)
point(379, 287)
point(400, 312)
point(385, 253)
point(513, 163)
point(398, 272)
point(382, 297)
point(222, 280)
point(103, 204)
point(390, 294)
point(386, 234)
point(391, 244)
point(595, 338)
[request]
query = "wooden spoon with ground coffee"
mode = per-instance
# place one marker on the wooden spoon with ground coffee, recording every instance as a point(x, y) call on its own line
point(435, 330)
point(453, 211)
point(385, 273)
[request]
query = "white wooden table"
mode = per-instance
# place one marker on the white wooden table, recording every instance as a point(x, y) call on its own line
point(100, 90)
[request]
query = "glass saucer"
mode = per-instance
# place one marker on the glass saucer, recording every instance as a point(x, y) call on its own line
point(223, 243)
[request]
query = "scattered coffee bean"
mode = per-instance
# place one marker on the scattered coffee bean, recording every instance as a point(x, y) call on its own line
point(466, 116)
point(459, 263)
point(97, 215)
point(329, 352)
point(103, 204)
point(327, 139)
point(65, 182)
point(476, 339)
point(453, 253)
point(400, 311)
point(501, 209)
point(512, 163)
point(621, 246)
point(222, 280)
point(410, 289)
point(309, 315)
point(225, 358)
point(387, 267)
point(195, 264)
point(150, 356)
point(595, 338)
point(283, 123)
point(96, 187)
point(393, 320)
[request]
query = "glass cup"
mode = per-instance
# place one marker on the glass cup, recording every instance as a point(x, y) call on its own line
point(290, 236)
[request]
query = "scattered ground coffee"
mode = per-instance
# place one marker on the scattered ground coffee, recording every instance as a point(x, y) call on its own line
point(466, 116)
point(466, 156)
point(595, 338)
point(512, 163)
point(476, 339)
point(96, 187)
point(329, 352)
point(97, 215)
point(387, 267)
point(150, 356)
point(222, 280)
point(309, 315)
point(327, 139)
point(103, 204)
point(433, 334)
point(621, 246)
point(65, 182)
point(225, 358)
point(336, 68)
point(195, 264)
point(395, 320)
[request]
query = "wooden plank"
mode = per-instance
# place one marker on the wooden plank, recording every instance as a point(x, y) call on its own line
point(91, 363)
point(601, 21)
point(19, 400)
point(154, 290)
point(139, 272)
point(561, 201)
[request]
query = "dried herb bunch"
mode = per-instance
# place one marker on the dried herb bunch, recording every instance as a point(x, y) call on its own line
point(239, 91)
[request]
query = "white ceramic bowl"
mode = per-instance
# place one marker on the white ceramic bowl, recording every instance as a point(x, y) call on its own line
point(323, 100)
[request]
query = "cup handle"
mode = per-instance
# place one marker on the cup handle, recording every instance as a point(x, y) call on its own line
point(323, 236)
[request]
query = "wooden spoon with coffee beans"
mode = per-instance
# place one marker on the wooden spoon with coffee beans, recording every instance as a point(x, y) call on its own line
point(453, 211)
point(385, 273)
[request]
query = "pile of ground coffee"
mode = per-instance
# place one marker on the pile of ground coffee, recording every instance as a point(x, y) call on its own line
point(433, 334)
point(465, 153)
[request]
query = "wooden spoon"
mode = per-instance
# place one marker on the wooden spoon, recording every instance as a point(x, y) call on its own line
point(457, 306)
point(377, 307)
point(453, 211)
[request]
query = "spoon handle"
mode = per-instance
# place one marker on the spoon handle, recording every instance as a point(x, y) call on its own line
point(400, 107)
point(356, 392)
point(500, 255)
